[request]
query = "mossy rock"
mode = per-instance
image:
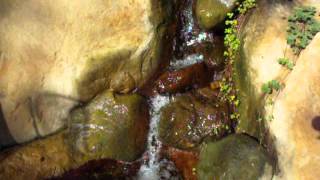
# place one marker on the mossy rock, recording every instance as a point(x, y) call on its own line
point(189, 120)
point(211, 12)
point(110, 126)
point(236, 157)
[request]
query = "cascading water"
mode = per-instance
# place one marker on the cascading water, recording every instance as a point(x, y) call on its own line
point(150, 170)
point(157, 168)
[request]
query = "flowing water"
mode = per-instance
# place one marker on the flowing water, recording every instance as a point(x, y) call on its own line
point(187, 38)
point(150, 170)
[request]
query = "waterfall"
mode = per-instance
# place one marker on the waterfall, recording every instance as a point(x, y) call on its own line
point(150, 170)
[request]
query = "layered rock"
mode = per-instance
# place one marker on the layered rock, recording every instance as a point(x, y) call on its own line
point(54, 54)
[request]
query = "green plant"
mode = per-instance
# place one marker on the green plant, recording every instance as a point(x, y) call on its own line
point(271, 86)
point(286, 63)
point(302, 28)
point(232, 43)
point(246, 5)
point(231, 40)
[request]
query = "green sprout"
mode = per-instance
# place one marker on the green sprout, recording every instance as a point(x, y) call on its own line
point(286, 63)
point(271, 86)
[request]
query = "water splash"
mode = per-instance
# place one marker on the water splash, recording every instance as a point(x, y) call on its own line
point(187, 61)
point(150, 170)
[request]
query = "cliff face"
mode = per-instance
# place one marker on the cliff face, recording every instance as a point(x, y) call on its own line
point(292, 114)
point(56, 53)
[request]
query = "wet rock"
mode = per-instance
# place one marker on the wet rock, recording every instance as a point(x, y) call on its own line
point(94, 45)
point(188, 120)
point(211, 12)
point(168, 171)
point(179, 80)
point(185, 161)
point(190, 39)
point(234, 157)
point(102, 169)
point(110, 126)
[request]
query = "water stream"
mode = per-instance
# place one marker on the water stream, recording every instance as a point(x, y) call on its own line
point(187, 38)
point(150, 170)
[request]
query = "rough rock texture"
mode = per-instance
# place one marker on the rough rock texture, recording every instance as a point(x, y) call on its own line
point(185, 161)
point(256, 64)
point(187, 121)
point(211, 12)
point(296, 115)
point(71, 50)
point(294, 125)
point(234, 157)
point(38, 160)
point(110, 126)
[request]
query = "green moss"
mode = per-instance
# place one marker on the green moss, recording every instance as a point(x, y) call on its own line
point(188, 120)
point(211, 12)
point(110, 126)
point(250, 108)
point(234, 157)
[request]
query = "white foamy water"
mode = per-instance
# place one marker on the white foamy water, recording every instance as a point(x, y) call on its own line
point(188, 61)
point(150, 170)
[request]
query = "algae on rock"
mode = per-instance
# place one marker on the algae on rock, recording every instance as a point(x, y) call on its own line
point(188, 120)
point(234, 157)
point(110, 126)
point(211, 12)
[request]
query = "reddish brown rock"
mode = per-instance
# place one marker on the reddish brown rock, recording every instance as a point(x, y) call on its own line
point(102, 169)
point(185, 161)
point(194, 76)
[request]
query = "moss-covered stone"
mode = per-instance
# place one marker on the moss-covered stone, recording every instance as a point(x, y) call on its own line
point(187, 121)
point(110, 126)
point(234, 157)
point(211, 12)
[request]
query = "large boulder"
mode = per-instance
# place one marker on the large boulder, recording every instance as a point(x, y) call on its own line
point(290, 115)
point(188, 120)
point(56, 53)
point(234, 157)
point(110, 126)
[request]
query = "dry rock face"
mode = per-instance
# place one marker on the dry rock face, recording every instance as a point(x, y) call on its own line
point(295, 110)
point(56, 53)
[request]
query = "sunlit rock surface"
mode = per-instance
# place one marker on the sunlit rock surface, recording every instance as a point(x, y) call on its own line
point(57, 52)
point(296, 118)
point(294, 126)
